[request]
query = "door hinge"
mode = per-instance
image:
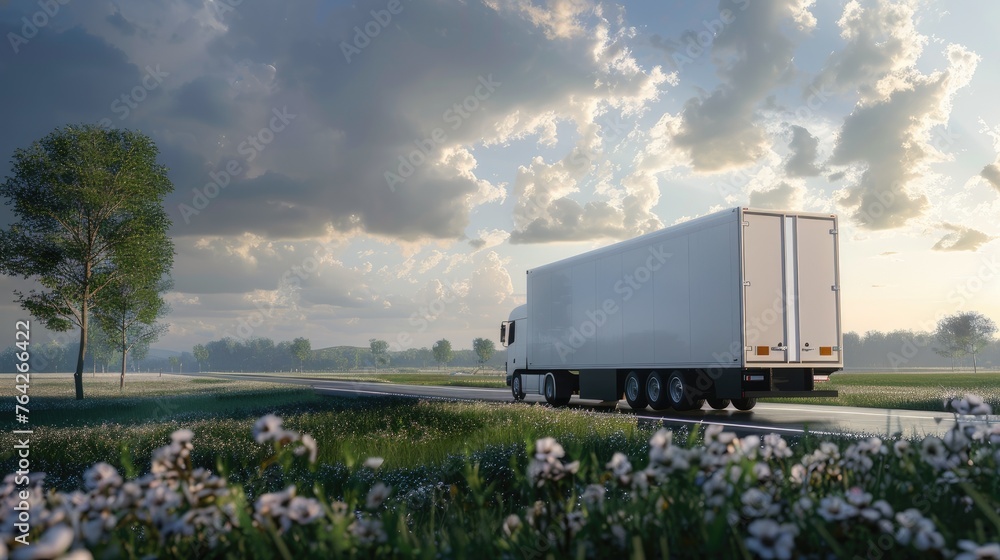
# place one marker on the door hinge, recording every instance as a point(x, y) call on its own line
point(746, 224)
point(746, 283)
point(834, 288)
point(833, 232)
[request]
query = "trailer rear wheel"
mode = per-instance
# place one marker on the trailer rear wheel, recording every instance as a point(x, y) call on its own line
point(550, 392)
point(656, 392)
point(718, 404)
point(679, 394)
point(516, 388)
point(745, 404)
point(635, 395)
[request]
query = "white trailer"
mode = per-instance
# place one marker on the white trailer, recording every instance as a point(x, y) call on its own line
point(729, 307)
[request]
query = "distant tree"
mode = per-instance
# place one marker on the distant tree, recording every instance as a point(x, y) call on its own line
point(85, 199)
point(484, 349)
point(442, 351)
point(301, 350)
point(175, 362)
point(129, 312)
point(380, 351)
point(964, 333)
point(200, 355)
point(101, 346)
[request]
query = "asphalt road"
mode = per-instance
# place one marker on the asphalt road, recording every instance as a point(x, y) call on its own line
point(765, 417)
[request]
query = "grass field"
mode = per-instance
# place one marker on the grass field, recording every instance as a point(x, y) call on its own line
point(911, 391)
point(70, 435)
point(469, 479)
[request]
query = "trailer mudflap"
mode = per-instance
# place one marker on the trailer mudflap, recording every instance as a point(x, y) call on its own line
point(779, 394)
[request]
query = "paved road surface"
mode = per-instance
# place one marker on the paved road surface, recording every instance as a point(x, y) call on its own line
point(767, 417)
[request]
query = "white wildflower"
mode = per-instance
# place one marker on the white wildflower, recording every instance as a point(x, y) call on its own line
point(857, 497)
point(55, 541)
point(182, 437)
point(901, 448)
point(775, 447)
point(973, 551)
point(593, 495)
point(834, 508)
point(368, 532)
point(268, 428)
point(377, 496)
point(769, 540)
point(511, 524)
point(620, 467)
point(972, 405)
point(757, 503)
point(100, 477)
point(547, 449)
point(917, 530)
point(373, 463)
point(308, 446)
point(303, 510)
point(934, 453)
point(618, 532)
point(661, 439)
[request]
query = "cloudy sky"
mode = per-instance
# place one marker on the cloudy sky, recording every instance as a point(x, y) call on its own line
point(390, 168)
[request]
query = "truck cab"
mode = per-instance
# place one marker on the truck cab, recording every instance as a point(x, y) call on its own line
point(513, 337)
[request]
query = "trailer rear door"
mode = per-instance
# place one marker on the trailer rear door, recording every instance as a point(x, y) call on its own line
point(791, 299)
point(819, 301)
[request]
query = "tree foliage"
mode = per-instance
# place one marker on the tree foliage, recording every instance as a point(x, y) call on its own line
point(301, 350)
point(966, 333)
point(200, 355)
point(380, 351)
point(87, 200)
point(442, 351)
point(484, 348)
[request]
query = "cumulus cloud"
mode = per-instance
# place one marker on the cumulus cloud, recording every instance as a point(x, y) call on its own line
point(960, 238)
point(804, 150)
point(753, 54)
point(889, 136)
point(992, 174)
point(783, 196)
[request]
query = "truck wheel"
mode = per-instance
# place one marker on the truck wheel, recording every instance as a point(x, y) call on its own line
point(745, 404)
point(635, 395)
point(678, 393)
point(718, 404)
point(550, 393)
point(516, 388)
point(656, 392)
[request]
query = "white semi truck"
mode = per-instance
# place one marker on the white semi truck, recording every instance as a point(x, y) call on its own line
point(729, 307)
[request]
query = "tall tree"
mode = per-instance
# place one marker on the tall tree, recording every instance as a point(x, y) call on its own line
point(301, 350)
point(380, 351)
point(442, 351)
point(484, 349)
point(85, 199)
point(964, 333)
point(130, 312)
point(200, 355)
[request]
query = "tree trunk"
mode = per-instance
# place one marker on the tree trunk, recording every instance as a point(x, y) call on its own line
point(78, 375)
point(974, 366)
point(121, 381)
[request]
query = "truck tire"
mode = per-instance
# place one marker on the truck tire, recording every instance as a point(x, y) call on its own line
point(718, 404)
point(635, 393)
point(745, 404)
point(679, 394)
point(517, 387)
point(550, 392)
point(656, 391)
